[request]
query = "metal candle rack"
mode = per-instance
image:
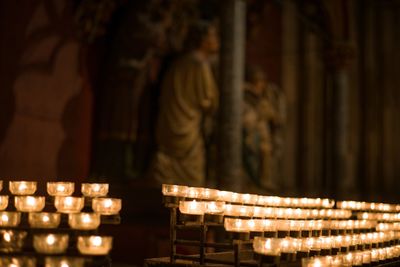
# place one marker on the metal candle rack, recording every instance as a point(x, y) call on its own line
point(237, 250)
point(234, 253)
point(28, 252)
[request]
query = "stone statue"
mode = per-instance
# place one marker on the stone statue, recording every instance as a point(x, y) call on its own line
point(262, 117)
point(188, 98)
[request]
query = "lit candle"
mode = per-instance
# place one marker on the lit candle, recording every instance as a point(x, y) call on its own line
point(239, 210)
point(224, 196)
point(29, 203)
point(22, 187)
point(194, 192)
point(60, 188)
point(50, 243)
point(64, 262)
point(44, 219)
point(215, 207)
point(68, 204)
point(107, 206)
point(209, 194)
point(173, 190)
point(267, 246)
point(101, 190)
point(3, 202)
point(192, 207)
point(94, 245)
point(248, 199)
point(11, 241)
point(84, 221)
point(9, 218)
point(236, 225)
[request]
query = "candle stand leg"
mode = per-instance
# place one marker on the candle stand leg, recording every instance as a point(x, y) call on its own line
point(172, 233)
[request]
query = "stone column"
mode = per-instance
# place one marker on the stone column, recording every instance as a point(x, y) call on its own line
point(229, 166)
point(290, 78)
point(344, 182)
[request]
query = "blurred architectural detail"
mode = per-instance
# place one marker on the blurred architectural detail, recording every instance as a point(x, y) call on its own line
point(229, 148)
point(263, 121)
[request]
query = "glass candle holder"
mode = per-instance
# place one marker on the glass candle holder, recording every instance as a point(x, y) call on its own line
point(236, 225)
point(174, 190)
point(9, 218)
point(17, 261)
point(107, 206)
point(267, 246)
point(192, 207)
point(239, 210)
point(69, 204)
point(50, 243)
point(84, 221)
point(3, 202)
point(44, 219)
point(215, 207)
point(316, 262)
point(22, 187)
point(29, 203)
point(224, 196)
point(61, 189)
point(1, 185)
point(64, 262)
point(94, 245)
point(94, 190)
point(195, 192)
point(11, 241)
point(209, 194)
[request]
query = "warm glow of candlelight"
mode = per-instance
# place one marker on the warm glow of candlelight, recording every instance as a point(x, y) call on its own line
point(192, 207)
point(94, 245)
point(50, 239)
point(22, 187)
point(84, 221)
point(68, 204)
point(101, 190)
point(50, 243)
point(44, 219)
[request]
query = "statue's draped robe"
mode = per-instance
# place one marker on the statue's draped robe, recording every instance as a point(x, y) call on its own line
point(188, 95)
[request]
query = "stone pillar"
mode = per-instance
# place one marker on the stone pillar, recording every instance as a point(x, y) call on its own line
point(290, 76)
point(229, 166)
point(344, 182)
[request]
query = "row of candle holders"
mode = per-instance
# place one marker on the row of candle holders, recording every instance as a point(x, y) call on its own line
point(200, 193)
point(388, 256)
point(63, 204)
point(49, 261)
point(57, 188)
point(327, 245)
point(196, 207)
point(308, 228)
point(48, 243)
point(56, 230)
point(330, 227)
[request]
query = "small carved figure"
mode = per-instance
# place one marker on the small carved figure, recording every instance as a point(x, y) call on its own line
point(262, 116)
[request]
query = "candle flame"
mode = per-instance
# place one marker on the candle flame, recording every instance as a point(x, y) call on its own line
point(22, 187)
point(107, 203)
point(7, 237)
point(31, 201)
point(50, 239)
point(4, 218)
point(96, 241)
point(96, 188)
point(86, 218)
